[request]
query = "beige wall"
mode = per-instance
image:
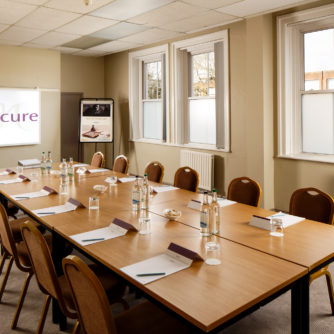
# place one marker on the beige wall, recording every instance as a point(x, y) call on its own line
point(251, 69)
point(84, 75)
point(29, 68)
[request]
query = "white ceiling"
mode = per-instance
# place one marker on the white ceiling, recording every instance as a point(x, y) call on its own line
point(115, 25)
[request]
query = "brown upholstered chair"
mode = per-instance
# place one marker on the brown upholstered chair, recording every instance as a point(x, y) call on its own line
point(155, 171)
point(186, 178)
point(314, 204)
point(57, 287)
point(98, 160)
point(13, 252)
point(121, 164)
point(244, 190)
point(94, 312)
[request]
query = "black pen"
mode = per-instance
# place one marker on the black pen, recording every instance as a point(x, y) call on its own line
point(45, 213)
point(97, 239)
point(22, 197)
point(150, 274)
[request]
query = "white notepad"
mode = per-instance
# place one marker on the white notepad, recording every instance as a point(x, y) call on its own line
point(162, 189)
point(265, 222)
point(70, 205)
point(98, 170)
point(7, 172)
point(126, 179)
point(176, 258)
point(46, 191)
point(19, 179)
point(116, 229)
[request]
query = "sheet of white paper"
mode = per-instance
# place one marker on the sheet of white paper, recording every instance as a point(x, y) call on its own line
point(225, 202)
point(4, 173)
point(109, 232)
point(164, 263)
point(126, 179)
point(288, 220)
point(53, 210)
point(16, 180)
point(41, 193)
point(196, 205)
point(99, 170)
point(80, 165)
point(161, 189)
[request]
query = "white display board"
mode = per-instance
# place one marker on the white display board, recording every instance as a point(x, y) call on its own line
point(19, 116)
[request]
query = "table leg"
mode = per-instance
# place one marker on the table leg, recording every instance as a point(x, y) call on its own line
point(300, 306)
point(58, 247)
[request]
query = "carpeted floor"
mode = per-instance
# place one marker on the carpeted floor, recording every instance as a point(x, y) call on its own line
point(274, 318)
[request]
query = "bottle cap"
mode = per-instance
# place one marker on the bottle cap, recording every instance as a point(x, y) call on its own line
point(214, 190)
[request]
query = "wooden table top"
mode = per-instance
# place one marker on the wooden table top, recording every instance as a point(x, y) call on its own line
point(205, 295)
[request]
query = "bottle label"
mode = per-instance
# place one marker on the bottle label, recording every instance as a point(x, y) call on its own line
point(135, 197)
point(204, 219)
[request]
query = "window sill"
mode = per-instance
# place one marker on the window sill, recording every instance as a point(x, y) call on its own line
point(325, 158)
point(185, 146)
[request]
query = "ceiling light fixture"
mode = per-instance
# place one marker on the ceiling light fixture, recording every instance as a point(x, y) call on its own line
point(88, 2)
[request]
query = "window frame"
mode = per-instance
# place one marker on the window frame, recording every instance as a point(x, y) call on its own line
point(290, 45)
point(180, 88)
point(136, 92)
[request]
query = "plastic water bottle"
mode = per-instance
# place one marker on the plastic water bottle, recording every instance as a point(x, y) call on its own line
point(43, 164)
point(145, 195)
point(205, 217)
point(49, 163)
point(215, 214)
point(63, 172)
point(70, 170)
point(136, 195)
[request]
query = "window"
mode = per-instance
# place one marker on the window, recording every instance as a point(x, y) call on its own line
point(306, 84)
point(148, 94)
point(200, 88)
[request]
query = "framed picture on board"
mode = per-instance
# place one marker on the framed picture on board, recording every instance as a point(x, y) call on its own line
point(96, 121)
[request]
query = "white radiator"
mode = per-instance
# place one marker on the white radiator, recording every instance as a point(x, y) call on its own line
point(203, 163)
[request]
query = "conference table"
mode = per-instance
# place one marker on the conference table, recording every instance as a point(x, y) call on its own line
point(255, 267)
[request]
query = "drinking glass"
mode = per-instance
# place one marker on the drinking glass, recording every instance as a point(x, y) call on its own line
point(19, 170)
point(94, 203)
point(63, 188)
point(112, 180)
point(212, 253)
point(144, 225)
point(277, 228)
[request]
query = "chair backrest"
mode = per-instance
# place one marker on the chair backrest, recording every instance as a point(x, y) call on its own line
point(98, 160)
point(312, 203)
point(121, 164)
point(89, 297)
point(6, 234)
point(43, 266)
point(155, 171)
point(186, 178)
point(244, 190)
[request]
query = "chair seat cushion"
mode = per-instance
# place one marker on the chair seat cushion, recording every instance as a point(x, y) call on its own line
point(148, 318)
point(15, 227)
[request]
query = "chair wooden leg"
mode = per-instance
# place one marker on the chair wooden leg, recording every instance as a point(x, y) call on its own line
point(43, 315)
point(21, 300)
point(330, 289)
point(5, 278)
point(3, 260)
point(76, 328)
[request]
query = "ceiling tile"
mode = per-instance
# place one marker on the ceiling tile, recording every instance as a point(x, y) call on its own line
point(90, 53)
point(10, 12)
point(47, 19)
point(32, 2)
point(64, 49)
point(21, 34)
point(76, 6)
point(120, 30)
point(172, 12)
point(85, 42)
point(36, 46)
point(115, 46)
point(86, 25)
point(211, 4)
point(124, 9)
point(253, 7)
point(208, 19)
point(54, 38)
point(151, 36)
point(5, 42)
point(3, 27)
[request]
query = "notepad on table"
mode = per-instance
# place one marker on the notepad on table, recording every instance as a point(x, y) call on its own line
point(116, 229)
point(225, 202)
point(19, 179)
point(265, 222)
point(126, 179)
point(164, 188)
point(7, 172)
point(175, 259)
point(46, 191)
point(29, 163)
point(70, 205)
point(98, 170)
